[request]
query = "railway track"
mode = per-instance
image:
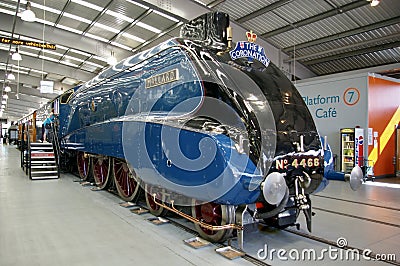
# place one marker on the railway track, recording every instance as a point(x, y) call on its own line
point(177, 222)
point(356, 217)
point(371, 255)
point(256, 261)
point(358, 202)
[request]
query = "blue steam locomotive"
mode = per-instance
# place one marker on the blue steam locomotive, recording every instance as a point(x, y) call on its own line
point(198, 126)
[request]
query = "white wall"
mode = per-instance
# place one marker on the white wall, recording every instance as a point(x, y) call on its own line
point(333, 104)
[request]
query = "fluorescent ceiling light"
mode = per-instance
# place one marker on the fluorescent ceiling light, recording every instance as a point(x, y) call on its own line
point(69, 63)
point(45, 22)
point(9, 12)
point(74, 17)
point(79, 52)
point(89, 5)
point(21, 72)
point(53, 53)
point(121, 46)
point(62, 47)
point(133, 37)
point(93, 64)
point(69, 29)
point(120, 16)
point(20, 67)
point(38, 71)
point(30, 54)
point(100, 58)
point(4, 32)
point(47, 8)
point(96, 37)
point(135, 3)
point(74, 58)
point(105, 27)
point(148, 27)
point(48, 58)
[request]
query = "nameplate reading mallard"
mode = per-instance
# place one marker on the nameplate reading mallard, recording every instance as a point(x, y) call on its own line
point(163, 78)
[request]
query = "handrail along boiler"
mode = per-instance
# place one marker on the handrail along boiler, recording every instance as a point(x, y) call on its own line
point(200, 125)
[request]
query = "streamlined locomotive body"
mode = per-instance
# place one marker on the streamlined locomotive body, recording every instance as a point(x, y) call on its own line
point(198, 124)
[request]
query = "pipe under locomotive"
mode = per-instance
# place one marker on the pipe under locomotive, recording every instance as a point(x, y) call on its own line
point(196, 128)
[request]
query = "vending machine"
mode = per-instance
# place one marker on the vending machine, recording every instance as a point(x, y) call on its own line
point(351, 148)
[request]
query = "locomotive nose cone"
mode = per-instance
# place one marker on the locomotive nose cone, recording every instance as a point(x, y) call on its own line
point(274, 188)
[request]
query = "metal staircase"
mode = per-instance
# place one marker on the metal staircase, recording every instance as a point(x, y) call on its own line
point(42, 161)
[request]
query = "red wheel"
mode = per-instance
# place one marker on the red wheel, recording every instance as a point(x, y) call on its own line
point(125, 180)
point(151, 205)
point(216, 215)
point(101, 171)
point(83, 165)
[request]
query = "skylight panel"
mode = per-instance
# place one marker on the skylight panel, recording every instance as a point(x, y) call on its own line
point(93, 64)
point(69, 29)
point(39, 71)
point(105, 27)
point(44, 22)
point(96, 37)
point(46, 8)
point(69, 63)
point(100, 58)
point(9, 12)
point(135, 3)
point(74, 58)
point(133, 37)
point(78, 18)
point(148, 27)
point(80, 52)
point(121, 46)
point(87, 4)
point(120, 16)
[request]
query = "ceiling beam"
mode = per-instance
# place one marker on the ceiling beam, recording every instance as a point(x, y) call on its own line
point(263, 10)
point(315, 18)
point(59, 36)
point(353, 53)
point(97, 17)
point(52, 67)
point(344, 34)
point(215, 3)
point(34, 81)
point(150, 41)
point(129, 26)
point(33, 92)
point(341, 48)
point(20, 109)
point(62, 13)
point(24, 100)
